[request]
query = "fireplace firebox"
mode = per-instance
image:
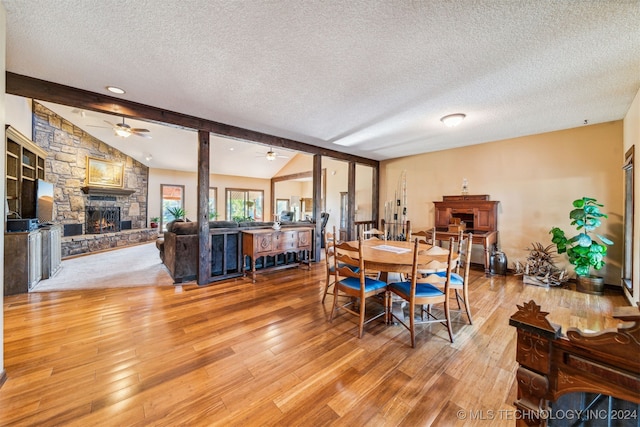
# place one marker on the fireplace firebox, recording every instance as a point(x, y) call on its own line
point(100, 219)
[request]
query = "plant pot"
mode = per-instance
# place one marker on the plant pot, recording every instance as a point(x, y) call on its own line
point(590, 285)
point(154, 225)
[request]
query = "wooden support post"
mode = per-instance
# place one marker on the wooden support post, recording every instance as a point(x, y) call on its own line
point(204, 243)
point(317, 206)
point(351, 201)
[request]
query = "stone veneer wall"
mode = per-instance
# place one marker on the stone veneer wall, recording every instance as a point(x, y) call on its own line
point(76, 245)
point(68, 147)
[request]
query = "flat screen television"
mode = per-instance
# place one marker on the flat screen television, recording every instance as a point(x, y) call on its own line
point(44, 201)
point(37, 200)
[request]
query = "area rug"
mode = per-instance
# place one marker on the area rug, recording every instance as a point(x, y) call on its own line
point(137, 265)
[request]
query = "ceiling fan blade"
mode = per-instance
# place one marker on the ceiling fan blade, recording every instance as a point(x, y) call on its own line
point(110, 124)
point(139, 130)
point(144, 135)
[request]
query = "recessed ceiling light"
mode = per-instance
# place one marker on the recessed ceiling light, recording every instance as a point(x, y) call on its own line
point(114, 89)
point(231, 149)
point(453, 119)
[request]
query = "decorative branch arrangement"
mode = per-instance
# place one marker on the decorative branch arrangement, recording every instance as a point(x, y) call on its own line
point(539, 268)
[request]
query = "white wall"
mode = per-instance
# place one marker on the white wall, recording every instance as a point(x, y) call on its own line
point(3, 107)
point(632, 139)
point(19, 114)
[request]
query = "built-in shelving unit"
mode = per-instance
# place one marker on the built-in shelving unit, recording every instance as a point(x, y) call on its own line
point(24, 166)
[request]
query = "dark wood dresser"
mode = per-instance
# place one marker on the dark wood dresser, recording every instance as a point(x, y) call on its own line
point(479, 214)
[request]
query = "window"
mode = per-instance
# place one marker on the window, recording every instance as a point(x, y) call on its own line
point(171, 196)
point(213, 200)
point(282, 205)
point(244, 205)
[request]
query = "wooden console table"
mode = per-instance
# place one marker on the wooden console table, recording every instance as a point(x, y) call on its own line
point(271, 243)
point(479, 214)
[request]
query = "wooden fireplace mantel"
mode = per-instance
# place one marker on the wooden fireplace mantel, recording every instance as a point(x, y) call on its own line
point(107, 191)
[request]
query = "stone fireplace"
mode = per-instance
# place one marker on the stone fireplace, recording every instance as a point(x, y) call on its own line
point(101, 219)
point(110, 217)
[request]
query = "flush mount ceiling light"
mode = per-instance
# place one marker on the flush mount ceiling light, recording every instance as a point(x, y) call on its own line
point(453, 119)
point(115, 89)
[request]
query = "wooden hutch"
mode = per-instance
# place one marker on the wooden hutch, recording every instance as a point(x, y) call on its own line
point(477, 212)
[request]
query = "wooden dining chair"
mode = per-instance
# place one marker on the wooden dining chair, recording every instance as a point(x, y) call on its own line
point(372, 233)
point(460, 277)
point(424, 292)
point(351, 280)
point(426, 236)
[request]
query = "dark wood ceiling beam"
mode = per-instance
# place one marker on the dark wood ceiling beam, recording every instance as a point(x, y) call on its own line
point(29, 87)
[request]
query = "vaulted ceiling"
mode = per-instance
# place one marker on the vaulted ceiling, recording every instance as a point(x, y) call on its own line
point(372, 78)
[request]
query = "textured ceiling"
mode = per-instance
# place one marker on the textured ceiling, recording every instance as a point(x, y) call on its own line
point(367, 77)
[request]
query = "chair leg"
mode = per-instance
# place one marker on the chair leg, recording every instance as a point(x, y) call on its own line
point(458, 298)
point(412, 324)
point(447, 315)
point(335, 303)
point(362, 313)
point(326, 288)
point(467, 306)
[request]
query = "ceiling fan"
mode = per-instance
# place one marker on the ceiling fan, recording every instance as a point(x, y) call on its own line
point(124, 130)
point(272, 155)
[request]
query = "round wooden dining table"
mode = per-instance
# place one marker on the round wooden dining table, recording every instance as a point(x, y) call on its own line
point(391, 256)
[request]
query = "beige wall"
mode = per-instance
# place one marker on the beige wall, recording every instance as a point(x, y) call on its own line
point(298, 164)
point(632, 139)
point(337, 182)
point(535, 178)
point(190, 181)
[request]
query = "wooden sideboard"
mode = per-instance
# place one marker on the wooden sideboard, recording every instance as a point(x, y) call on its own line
point(479, 214)
point(272, 247)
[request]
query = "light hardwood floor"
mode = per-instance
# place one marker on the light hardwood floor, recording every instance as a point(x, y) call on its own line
point(238, 353)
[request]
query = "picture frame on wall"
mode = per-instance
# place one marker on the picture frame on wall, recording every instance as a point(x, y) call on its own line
point(104, 173)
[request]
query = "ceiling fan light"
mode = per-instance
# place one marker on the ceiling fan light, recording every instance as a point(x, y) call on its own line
point(271, 156)
point(123, 132)
point(453, 120)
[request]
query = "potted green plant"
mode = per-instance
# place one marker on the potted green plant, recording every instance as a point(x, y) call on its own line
point(176, 212)
point(586, 250)
point(154, 221)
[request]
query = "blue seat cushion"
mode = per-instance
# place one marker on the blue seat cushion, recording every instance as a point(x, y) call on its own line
point(422, 289)
point(369, 283)
point(456, 279)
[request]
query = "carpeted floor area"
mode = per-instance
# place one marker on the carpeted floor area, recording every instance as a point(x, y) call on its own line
point(137, 265)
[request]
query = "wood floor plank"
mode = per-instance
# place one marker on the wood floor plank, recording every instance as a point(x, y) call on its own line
point(239, 353)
